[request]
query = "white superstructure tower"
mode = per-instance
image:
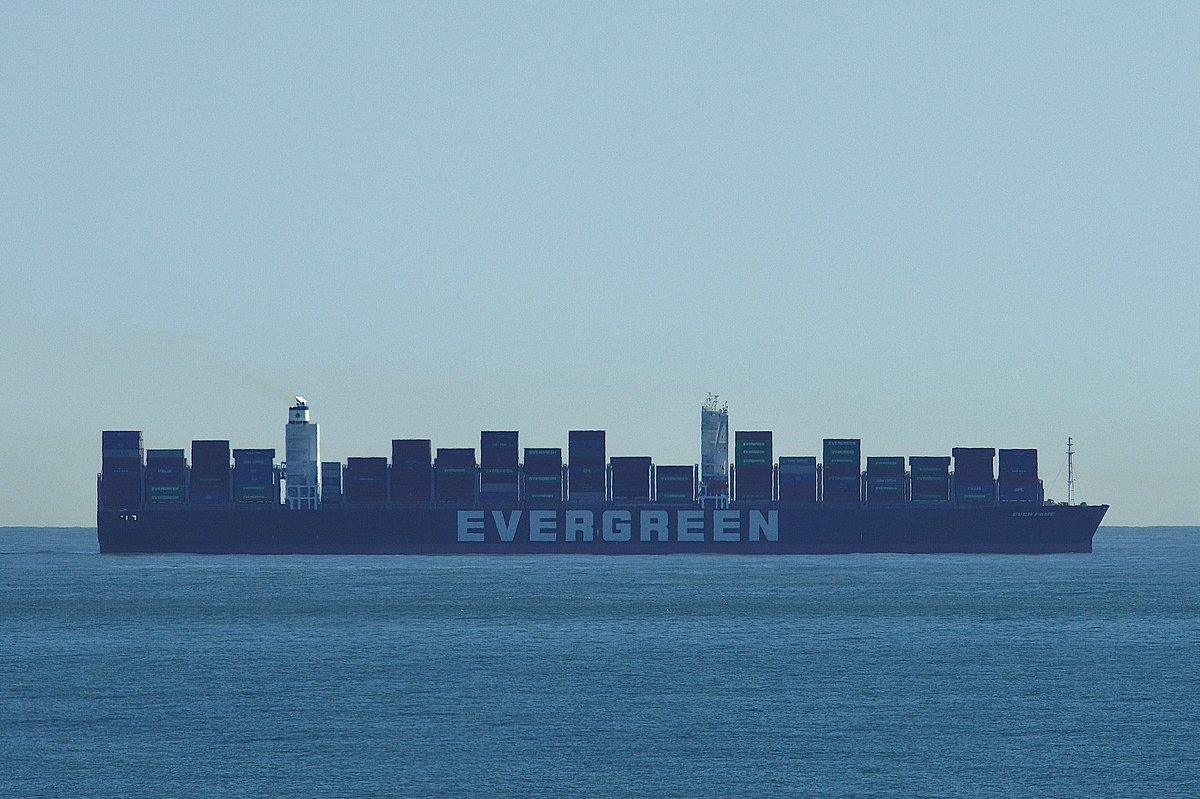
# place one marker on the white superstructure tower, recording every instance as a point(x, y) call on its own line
point(302, 467)
point(714, 453)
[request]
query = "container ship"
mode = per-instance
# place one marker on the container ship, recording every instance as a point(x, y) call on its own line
point(509, 501)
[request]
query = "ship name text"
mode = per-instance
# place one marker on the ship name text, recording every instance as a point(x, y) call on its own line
point(617, 526)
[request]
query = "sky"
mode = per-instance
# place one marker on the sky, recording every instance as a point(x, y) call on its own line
point(925, 225)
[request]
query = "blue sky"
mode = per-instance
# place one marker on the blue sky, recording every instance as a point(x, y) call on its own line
point(925, 225)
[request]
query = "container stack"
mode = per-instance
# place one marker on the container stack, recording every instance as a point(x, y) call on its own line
point(412, 470)
point(841, 461)
point(586, 465)
point(366, 481)
point(930, 478)
point(885, 480)
point(498, 466)
point(1019, 476)
point(210, 472)
point(254, 477)
point(797, 479)
point(331, 483)
point(631, 479)
point(166, 477)
point(543, 474)
point(121, 468)
point(753, 461)
point(455, 475)
point(675, 484)
point(974, 479)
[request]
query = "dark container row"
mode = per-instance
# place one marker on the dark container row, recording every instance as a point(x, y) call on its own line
point(414, 475)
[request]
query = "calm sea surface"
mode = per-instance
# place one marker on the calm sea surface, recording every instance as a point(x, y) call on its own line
point(562, 676)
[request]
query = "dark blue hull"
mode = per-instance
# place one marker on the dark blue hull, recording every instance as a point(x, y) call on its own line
point(608, 529)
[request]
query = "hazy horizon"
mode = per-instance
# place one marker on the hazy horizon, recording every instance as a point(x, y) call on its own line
point(922, 225)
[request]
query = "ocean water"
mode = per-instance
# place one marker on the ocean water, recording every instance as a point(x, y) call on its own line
point(576, 676)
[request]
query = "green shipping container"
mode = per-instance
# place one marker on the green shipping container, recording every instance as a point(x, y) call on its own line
point(256, 494)
point(165, 494)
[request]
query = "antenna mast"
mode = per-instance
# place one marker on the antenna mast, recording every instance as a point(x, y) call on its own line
point(1070, 472)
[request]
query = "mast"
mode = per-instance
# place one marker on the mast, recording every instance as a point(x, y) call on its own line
point(1070, 472)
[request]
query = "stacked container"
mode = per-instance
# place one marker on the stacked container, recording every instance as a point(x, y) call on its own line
point(753, 461)
point(209, 481)
point(121, 469)
point(166, 477)
point(1019, 476)
point(366, 480)
point(797, 479)
point(885, 480)
point(412, 470)
point(498, 466)
point(974, 479)
point(675, 484)
point(631, 479)
point(455, 476)
point(930, 478)
point(254, 477)
point(543, 474)
point(331, 483)
point(841, 462)
point(586, 465)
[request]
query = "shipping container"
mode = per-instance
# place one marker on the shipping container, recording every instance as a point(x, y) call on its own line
point(412, 470)
point(890, 466)
point(166, 494)
point(494, 488)
point(166, 473)
point(791, 464)
point(121, 439)
point(255, 494)
point(253, 476)
point(922, 466)
point(841, 456)
point(587, 443)
point(973, 465)
point(498, 449)
point(975, 493)
point(121, 445)
point(456, 476)
point(841, 488)
point(753, 448)
point(166, 478)
point(885, 490)
point(253, 467)
point(210, 458)
point(543, 460)
point(365, 480)
point(631, 479)
point(586, 467)
point(1019, 463)
point(797, 479)
point(753, 482)
point(208, 489)
point(454, 457)
point(1020, 490)
point(930, 489)
point(676, 484)
point(176, 457)
point(331, 482)
point(543, 474)
point(254, 456)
